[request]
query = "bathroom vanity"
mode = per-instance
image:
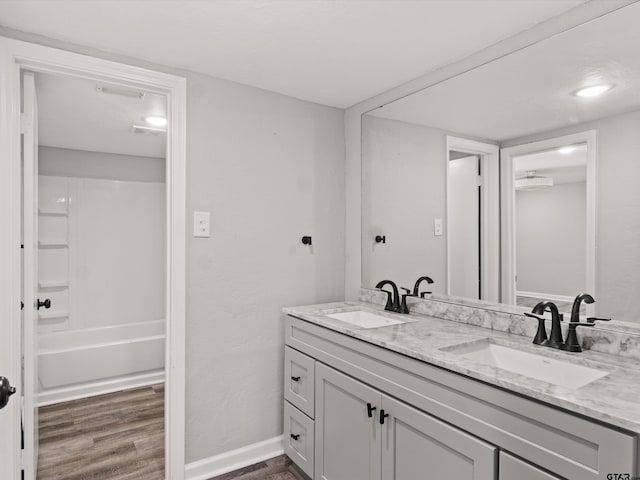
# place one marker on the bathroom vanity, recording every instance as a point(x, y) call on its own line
point(368, 398)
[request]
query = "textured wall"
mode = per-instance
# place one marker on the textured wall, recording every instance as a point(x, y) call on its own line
point(550, 239)
point(270, 169)
point(403, 190)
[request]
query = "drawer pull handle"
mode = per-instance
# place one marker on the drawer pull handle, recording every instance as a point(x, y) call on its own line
point(295, 379)
point(383, 416)
point(295, 436)
point(370, 410)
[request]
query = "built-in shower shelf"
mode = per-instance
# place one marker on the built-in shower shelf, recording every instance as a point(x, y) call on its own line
point(52, 213)
point(54, 314)
point(53, 244)
point(53, 285)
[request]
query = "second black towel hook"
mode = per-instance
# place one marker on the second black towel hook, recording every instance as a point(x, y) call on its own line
point(381, 239)
point(306, 240)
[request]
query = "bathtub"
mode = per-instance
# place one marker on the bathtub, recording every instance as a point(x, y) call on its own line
point(80, 363)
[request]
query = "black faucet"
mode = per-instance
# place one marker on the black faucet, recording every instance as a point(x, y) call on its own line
point(572, 344)
point(575, 310)
point(404, 308)
point(555, 337)
point(416, 287)
point(393, 302)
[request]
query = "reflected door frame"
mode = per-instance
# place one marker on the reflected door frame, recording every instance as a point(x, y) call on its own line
point(507, 207)
point(490, 206)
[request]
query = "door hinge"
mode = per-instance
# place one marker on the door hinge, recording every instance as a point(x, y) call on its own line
point(26, 123)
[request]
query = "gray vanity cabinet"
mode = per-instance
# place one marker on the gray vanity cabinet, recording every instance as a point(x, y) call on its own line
point(416, 445)
point(347, 439)
point(354, 443)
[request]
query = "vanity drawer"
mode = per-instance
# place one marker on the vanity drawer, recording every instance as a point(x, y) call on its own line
point(299, 380)
point(298, 438)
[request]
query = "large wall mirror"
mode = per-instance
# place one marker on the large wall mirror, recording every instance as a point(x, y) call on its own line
point(511, 183)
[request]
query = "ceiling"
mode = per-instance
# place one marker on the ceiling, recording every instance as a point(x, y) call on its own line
point(334, 53)
point(73, 114)
point(561, 167)
point(529, 91)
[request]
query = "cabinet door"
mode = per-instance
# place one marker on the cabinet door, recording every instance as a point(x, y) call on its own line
point(512, 468)
point(416, 445)
point(348, 442)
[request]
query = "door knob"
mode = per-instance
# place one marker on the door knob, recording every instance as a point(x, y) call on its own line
point(6, 390)
point(45, 304)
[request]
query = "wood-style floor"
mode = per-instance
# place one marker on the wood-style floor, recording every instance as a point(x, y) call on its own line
point(275, 469)
point(115, 436)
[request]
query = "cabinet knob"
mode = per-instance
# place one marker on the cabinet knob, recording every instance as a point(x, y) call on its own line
point(370, 410)
point(383, 416)
point(295, 436)
point(295, 379)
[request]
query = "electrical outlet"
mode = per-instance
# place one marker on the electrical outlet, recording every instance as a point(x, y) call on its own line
point(437, 227)
point(201, 224)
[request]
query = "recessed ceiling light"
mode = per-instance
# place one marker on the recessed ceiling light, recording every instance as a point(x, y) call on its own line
point(567, 150)
point(156, 121)
point(592, 91)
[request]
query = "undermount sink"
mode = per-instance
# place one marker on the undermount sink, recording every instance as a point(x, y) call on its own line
point(364, 319)
point(532, 365)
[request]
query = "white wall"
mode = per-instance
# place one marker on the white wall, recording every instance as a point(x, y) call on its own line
point(403, 190)
point(65, 162)
point(550, 239)
point(617, 207)
point(270, 169)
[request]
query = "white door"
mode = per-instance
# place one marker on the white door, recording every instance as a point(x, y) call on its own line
point(463, 227)
point(30, 276)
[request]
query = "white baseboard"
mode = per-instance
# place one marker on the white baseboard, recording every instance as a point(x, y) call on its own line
point(90, 389)
point(546, 296)
point(234, 460)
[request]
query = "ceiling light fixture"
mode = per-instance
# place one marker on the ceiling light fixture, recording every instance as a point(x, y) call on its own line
point(531, 181)
point(592, 91)
point(567, 150)
point(122, 92)
point(156, 121)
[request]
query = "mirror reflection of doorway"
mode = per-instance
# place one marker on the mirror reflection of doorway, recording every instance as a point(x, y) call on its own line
point(465, 210)
point(550, 225)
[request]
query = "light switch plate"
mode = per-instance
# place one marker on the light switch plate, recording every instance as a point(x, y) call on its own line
point(437, 227)
point(201, 224)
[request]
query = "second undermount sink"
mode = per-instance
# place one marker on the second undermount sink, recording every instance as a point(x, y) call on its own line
point(539, 367)
point(364, 319)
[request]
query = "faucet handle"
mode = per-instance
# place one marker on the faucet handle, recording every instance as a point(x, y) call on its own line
point(593, 320)
point(541, 334)
point(422, 294)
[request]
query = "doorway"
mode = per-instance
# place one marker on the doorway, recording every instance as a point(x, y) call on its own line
point(472, 219)
point(17, 58)
point(548, 200)
point(99, 265)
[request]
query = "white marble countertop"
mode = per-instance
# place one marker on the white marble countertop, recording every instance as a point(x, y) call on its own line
point(613, 399)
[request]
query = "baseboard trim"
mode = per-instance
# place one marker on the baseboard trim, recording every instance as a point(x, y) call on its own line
point(91, 389)
point(234, 460)
point(546, 296)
